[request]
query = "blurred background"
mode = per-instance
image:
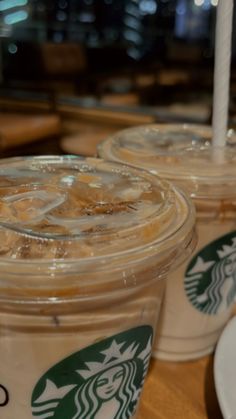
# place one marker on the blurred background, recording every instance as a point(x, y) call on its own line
point(74, 71)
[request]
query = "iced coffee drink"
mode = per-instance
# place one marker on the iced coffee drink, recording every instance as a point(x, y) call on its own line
point(84, 252)
point(201, 293)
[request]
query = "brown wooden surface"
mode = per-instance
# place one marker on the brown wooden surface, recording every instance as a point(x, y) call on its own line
point(84, 140)
point(17, 129)
point(180, 391)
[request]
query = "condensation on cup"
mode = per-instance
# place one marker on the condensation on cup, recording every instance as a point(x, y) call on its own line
point(200, 294)
point(84, 252)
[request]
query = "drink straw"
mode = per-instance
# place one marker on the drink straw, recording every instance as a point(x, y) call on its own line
point(223, 41)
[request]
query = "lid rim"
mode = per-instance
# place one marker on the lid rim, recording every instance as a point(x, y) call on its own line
point(134, 251)
point(203, 174)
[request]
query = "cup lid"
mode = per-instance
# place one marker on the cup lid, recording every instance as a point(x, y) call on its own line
point(180, 153)
point(83, 208)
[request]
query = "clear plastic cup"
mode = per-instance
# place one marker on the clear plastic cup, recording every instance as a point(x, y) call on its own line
point(84, 252)
point(200, 294)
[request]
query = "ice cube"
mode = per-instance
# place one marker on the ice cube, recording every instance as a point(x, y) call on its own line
point(30, 207)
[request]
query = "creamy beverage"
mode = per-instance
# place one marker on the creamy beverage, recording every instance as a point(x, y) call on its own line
point(84, 252)
point(200, 294)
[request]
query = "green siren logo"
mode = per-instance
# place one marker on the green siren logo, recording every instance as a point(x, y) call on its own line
point(210, 279)
point(102, 381)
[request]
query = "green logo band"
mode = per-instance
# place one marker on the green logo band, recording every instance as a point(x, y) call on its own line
point(210, 279)
point(102, 381)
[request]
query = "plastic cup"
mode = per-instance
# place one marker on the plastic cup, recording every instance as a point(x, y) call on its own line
point(200, 294)
point(84, 252)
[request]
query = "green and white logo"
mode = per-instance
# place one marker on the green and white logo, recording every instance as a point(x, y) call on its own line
point(102, 381)
point(210, 279)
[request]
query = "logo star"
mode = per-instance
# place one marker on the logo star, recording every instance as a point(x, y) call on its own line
point(113, 351)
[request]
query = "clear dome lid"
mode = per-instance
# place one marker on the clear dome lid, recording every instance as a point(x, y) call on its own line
point(180, 153)
point(74, 208)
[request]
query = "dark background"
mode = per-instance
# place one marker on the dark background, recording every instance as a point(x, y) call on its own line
point(114, 34)
point(77, 46)
point(98, 66)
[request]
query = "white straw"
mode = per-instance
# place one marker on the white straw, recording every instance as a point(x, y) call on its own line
point(222, 71)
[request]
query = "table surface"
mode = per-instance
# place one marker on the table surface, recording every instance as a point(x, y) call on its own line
point(180, 391)
point(17, 129)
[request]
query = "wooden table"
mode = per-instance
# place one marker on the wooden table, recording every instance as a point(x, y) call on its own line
point(17, 129)
point(180, 391)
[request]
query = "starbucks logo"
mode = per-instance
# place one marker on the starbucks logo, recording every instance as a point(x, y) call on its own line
point(99, 382)
point(210, 279)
